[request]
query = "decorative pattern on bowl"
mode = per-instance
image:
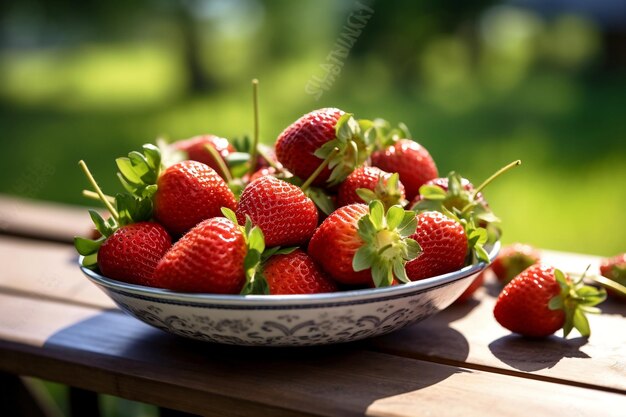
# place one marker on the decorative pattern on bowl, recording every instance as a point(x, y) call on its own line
point(291, 320)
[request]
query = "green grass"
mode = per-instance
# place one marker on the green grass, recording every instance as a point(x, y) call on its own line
point(98, 103)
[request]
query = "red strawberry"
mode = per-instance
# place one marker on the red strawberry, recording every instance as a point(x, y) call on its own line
point(541, 300)
point(615, 269)
point(209, 258)
point(442, 182)
point(263, 172)
point(410, 160)
point(286, 216)
point(196, 149)
point(296, 273)
point(303, 145)
point(378, 183)
point(355, 245)
point(512, 260)
point(132, 252)
point(189, 192)
point(296, 145)
point(444, 246)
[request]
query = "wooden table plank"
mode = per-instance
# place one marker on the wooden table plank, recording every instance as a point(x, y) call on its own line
point(113, 353)
point(461, 335)
point(43, 220)
point(46, 270)
point(468, 335)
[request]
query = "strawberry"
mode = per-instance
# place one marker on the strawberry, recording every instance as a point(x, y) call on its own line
point(453, 199)
point(615, 269)
point(444, 246)
point(182, 195)
point(195, 148)
point(296, 273)
point(512, 260)
point(132, 252)
point(209, 258)
point(189, 192)
point(128, 247)
point(410, 160)
point(541, 300)
point(367, 183)
point(263, 172)
point(303, 145)
point(281, 210)
point(360, 245)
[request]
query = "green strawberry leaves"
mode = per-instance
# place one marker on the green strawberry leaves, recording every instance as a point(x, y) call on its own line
point(256, 255)
point(129, 210)
point(387, 246)
point(576, 299)
point(386, 190)
point(139, 172)
point(353, 144)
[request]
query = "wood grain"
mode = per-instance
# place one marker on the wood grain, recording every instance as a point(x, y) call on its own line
point(109, 352)
point(468, 335)
point(43, 220)
point(46, 270)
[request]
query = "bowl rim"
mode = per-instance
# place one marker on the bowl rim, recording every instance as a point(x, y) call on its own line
point(300, 299)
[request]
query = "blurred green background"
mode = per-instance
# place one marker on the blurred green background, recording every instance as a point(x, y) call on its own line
point(479, 83)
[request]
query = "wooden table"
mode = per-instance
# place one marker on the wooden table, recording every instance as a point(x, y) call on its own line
point(56, 325)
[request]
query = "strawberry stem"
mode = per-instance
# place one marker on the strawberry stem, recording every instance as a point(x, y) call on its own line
point(101, 195)
point(94, 196)
point(219, 161)
point(267, 158)
point(255, 138)
point(603, 281)
point(494, 176)
point(319, 169)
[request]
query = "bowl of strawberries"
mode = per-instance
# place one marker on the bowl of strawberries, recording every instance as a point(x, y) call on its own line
point(342, 231)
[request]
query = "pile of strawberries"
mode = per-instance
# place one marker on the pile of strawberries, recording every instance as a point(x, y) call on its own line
point(338, 203)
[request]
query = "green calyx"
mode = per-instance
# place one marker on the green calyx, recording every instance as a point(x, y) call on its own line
point(386, 190)
point(576, 299)
point(256, 255)
point(125, 209)
point(387, 246)
point(461, 203)
point(139, 172)
point(353, 139)
point(386, 135)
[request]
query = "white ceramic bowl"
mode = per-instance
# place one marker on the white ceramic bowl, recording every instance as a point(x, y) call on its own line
point(289, 320)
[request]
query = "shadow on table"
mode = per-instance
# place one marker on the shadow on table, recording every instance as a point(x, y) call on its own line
point(430, 339)
point(613, 306)
point(279, 377)
point(530, 355)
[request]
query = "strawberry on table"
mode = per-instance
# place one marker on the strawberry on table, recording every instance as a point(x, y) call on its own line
point(281, 210)
point(410, 160)
point(444, 246)
point(361, 245)
point(542, 300)
point(614, 268)
point(296, 273)
point(367, 183)
point(209, 258)
point(303, 145)
point(512, 260)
